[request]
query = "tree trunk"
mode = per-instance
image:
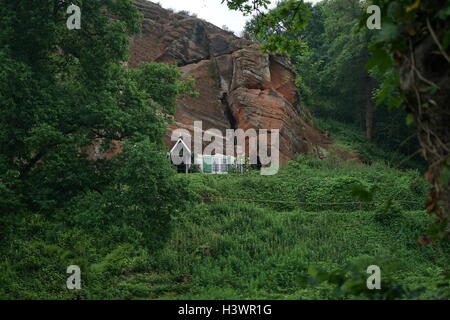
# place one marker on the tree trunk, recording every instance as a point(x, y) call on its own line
point(369, 112)
point(425, 81)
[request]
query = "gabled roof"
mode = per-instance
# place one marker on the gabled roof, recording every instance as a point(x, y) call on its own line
point(180, 140)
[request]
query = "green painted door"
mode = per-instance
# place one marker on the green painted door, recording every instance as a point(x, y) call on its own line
point(207, 164)
point(230, 164)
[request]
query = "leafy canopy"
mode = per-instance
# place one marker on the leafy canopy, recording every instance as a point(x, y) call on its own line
point(62, 92)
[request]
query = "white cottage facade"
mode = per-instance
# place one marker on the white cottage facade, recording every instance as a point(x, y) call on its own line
point(208, 164)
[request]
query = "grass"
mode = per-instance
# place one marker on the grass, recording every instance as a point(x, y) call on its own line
point(230, 250)
point(348, 137)
point(243, 250)
point(316, 181)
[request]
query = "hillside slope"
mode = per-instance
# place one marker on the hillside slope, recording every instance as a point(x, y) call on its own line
point(248, 237)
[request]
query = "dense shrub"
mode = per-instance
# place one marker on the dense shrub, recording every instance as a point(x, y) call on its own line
point(234, 248)
point(106, 233)
point(317, 185)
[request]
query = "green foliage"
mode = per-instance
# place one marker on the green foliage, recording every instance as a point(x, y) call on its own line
point(390, 149)
point(407, 27)
point(61, 93)
point(163, 85)
point(349, 282)
point(332, 78)
point(278, 29)
point(239, 251)
point(385, 213)
point(390, 44)
point(141, 198)
point(232, 249)
point(247, 6)
point(319, 185)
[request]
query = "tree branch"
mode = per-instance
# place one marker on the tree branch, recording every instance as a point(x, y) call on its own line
point(436, 40)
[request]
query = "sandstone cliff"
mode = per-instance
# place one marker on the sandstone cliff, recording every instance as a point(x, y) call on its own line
point(239, 87)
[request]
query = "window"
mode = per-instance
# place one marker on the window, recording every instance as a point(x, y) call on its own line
point(216, 166)
point(224, 167)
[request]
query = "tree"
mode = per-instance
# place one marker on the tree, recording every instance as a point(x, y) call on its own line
point(61, 90)
point(332, 78)
point(247, 6)
point(411, 53)
point(413, 50)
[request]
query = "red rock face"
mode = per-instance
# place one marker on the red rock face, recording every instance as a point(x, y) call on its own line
point(239, 86)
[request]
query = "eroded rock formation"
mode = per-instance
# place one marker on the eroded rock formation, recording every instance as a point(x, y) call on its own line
point(239, 86)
